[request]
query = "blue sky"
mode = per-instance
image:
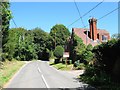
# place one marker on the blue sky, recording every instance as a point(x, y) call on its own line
point(46, 14)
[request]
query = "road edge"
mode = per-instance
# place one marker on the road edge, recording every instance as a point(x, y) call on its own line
point(6, 85)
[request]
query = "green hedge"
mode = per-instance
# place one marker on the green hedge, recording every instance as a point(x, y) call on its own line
point(108, 58)
point(105, 68)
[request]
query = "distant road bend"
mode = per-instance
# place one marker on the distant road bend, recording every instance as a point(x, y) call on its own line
point(38, 74)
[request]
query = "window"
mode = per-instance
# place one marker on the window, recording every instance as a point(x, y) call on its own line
point(104, 38)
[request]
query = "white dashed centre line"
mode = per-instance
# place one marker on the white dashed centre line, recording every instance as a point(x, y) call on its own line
point(43, 78)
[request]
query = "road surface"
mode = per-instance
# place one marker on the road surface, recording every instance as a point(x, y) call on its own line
point(38, 74)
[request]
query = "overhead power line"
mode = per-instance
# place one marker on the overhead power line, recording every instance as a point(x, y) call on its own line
point(105, 15)
point(81, 21)
point(92, 8)
point(14, 22)
point(108, 13)
point(86, 13)
point(79, 13)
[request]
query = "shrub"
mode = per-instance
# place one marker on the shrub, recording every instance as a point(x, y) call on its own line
point(76, 63)
point(105, 68)
point(79, 65)
point(76, 48)
point(88, 54)
point(107, 54)
point(4, 56)
point(51, 56)
point(58, 52)
point(96, 77)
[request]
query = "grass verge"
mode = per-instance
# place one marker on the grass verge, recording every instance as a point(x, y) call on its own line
point(8, 69)
point(61, 66)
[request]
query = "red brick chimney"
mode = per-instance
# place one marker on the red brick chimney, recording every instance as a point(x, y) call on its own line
point(93, 28)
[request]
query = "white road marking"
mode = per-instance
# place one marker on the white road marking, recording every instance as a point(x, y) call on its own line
point(45, 82)
point(39, 70)
point(43, 78)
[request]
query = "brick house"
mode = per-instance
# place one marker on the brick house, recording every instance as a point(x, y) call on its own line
point(93, 35)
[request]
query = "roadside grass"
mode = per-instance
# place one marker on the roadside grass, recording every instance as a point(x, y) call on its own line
point(8, 69)
point(61, 66)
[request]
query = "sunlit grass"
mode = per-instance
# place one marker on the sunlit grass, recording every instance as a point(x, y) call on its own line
point(61, 66)
point(8, 69)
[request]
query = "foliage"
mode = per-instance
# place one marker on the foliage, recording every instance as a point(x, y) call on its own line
point(58, 52)
point(8, 69)
point(4, 56)
point(42, 42)
point(95, 76)
point(80, 53)
point(6, 16)
point(60, 34)
point(104, 70)
point(78, 65)
point(88, 54)
point(51, 56)
point(25, 44)
point(20, 45)
point(77, 48)
point(105, 57)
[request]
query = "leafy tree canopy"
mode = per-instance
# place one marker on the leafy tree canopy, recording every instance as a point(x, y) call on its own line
point(6, 16)
point(60, 34)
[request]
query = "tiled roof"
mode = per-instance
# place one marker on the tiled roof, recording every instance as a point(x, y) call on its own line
point(86, 40)
point(101, 31)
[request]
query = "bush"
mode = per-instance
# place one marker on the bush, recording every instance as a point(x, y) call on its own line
point(107, 58)
point(88, 54)
point(58, 52)
point(78, 65)
point(76, 48)
point(4, 56)
point(95, 76)
point(51, 56)
point(81, 66)
point(105, 69)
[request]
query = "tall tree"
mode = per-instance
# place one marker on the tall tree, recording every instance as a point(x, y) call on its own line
point(76, 48)
point(59, 34)
point(5, 16)
point(41, 40)
point(20, 44)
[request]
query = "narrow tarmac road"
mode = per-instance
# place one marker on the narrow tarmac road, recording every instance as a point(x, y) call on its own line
point(38, 74)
